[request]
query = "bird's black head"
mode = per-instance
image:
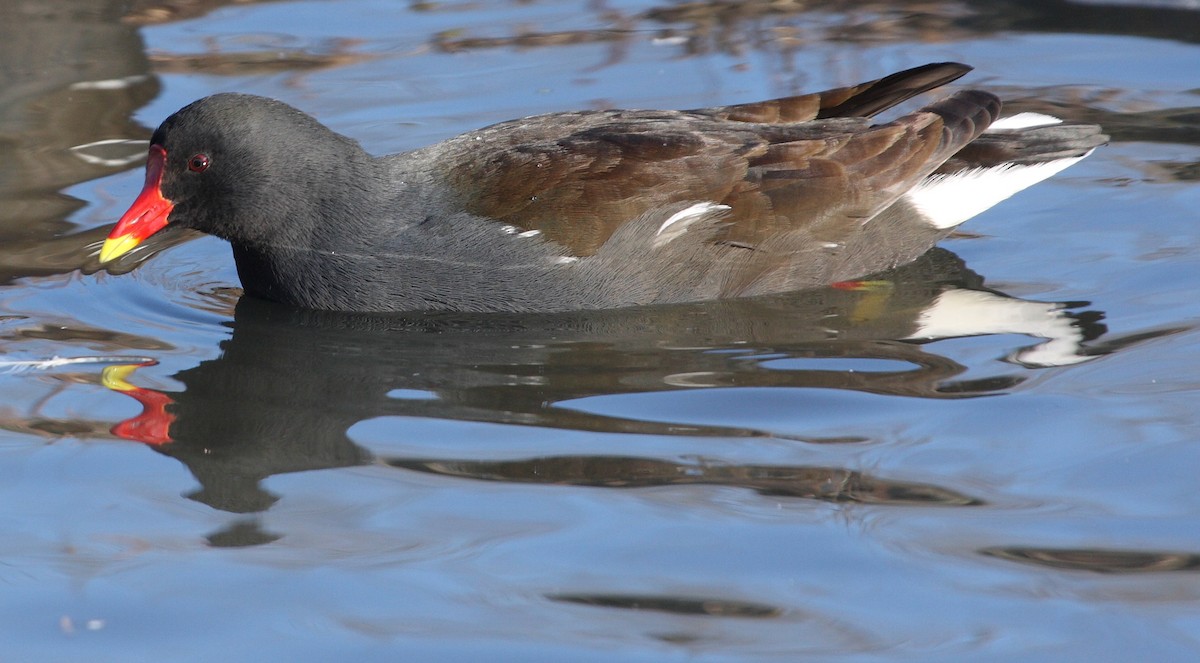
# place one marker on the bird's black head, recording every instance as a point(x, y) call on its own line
point(248, 169)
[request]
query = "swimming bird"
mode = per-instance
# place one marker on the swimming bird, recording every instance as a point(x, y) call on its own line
point(592, 209)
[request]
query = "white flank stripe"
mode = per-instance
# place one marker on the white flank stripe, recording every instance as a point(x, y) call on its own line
point(696, 210)
point(1022, 121)
point(948, 200)
point(669, 229)
point(958, 313)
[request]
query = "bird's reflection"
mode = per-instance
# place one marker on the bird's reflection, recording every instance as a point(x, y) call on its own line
point(289, 384)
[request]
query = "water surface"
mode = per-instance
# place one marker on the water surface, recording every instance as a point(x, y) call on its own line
point(190, 475)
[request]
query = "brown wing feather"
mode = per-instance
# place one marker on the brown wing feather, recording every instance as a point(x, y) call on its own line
point(862, 100)
point(577, 177)
point(578, 186)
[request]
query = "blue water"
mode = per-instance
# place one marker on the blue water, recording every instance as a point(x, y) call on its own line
point(789, 479)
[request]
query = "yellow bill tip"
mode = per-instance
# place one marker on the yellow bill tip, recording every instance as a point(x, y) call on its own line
point(115, 247)
point(116, 377)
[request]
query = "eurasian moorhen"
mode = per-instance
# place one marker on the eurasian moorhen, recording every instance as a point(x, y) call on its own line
point(592, 209)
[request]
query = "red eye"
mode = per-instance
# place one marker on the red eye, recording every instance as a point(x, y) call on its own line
point(198, 163)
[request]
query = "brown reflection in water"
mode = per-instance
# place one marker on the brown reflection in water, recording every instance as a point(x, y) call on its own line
point(736, 26)
point(448, 42)
point(336, 53)
point(105, 340)
point(153, 12)
point(819, 483)
point(678, 605)
point(51, 428)
point(1097, 560)
point(57, 92)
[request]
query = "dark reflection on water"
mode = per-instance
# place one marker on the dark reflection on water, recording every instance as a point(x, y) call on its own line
point(821, 483)
point(1151, 19)
point(289, 384)
point(1098, 560)
point(242, 534)
point(679, 605)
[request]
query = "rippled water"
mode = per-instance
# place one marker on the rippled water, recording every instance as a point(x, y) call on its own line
point(804, 477)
